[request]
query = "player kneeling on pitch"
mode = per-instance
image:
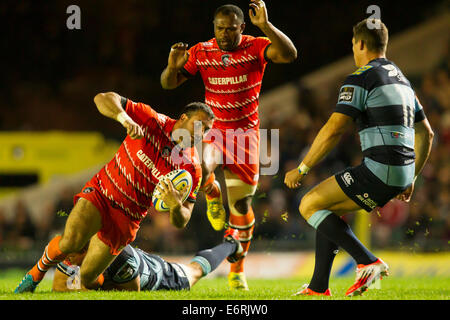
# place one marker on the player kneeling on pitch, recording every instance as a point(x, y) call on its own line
point(395, 140)
point(136, 270)
point(108, 211)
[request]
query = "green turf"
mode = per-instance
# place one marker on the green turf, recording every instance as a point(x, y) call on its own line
point(400, 288)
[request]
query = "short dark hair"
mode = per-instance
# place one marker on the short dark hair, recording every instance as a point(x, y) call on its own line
point(228, 9)
point(376, 38)
point(194, 107)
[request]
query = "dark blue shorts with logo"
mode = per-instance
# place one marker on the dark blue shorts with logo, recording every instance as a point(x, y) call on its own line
point(365, 188)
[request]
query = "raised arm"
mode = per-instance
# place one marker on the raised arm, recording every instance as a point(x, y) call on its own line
point(171, 77)
point(281, 49)
point(109, 104)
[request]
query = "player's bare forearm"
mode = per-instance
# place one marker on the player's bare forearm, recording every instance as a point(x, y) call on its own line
point(423, 141)
point(170, 78)
point(327, 138)
point(180, 215)
point(282, 50)
point(108, 104)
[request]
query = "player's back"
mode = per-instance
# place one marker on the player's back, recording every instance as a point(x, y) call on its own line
point(153, 271)
point(385, 109)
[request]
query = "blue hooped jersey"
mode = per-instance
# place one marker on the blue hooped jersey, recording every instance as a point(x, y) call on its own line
point(380, 98)
point(154, 272)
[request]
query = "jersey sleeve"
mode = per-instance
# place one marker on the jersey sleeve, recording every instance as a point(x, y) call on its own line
point(419, 114)
point(352, 97)
point(196, 183)
point(190, 68)
point(261, 45)
point(138, 111)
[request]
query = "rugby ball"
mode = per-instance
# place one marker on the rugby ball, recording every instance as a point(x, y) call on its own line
point(180, 179)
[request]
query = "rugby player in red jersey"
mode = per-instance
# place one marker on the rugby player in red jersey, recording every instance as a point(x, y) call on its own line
point(108, 210)
point(231, 66)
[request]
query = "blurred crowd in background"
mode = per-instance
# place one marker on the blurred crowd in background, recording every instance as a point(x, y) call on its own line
point(52, 79)
point(421, 225)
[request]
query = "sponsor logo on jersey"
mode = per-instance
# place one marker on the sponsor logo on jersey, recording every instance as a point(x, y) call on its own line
point(346, 94)
point(149, 164)
point(394, 72)
point(228, 80)
point(347, 178)
point(366, 200)
point(362, 69)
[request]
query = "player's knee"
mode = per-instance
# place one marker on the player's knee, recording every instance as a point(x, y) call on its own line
point(305, 207)
point(242, 206)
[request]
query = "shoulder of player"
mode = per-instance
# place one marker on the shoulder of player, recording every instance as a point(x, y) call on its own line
point(377, 73)
point(361, 75)
point(205, 45)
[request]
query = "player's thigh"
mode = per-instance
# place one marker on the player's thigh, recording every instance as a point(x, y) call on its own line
point(98, 258)
point(239, 193)
point(327, 195)
point(84, 220)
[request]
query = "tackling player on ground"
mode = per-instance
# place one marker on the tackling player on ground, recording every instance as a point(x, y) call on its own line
point(108, 211)
point(231, 66)
point(396, 140)
point(137, 270)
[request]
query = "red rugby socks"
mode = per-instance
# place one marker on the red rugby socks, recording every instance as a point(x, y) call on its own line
point(52, 256)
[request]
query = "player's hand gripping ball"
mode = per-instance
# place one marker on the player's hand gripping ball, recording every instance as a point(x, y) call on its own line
point(181, 179)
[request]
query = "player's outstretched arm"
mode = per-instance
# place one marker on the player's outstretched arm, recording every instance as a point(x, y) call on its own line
point(325, 141)
point(171, 77)
point(282, 50)
point(109, 105)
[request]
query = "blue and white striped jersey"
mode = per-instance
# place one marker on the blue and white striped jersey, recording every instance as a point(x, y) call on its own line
point(380, 98)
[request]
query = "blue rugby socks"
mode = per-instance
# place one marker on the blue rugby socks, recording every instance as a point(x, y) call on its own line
point(339, 232)
point(326, 250)
point(210, 259)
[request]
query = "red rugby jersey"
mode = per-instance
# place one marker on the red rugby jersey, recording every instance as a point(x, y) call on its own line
point(232, 79)
point(129, 179)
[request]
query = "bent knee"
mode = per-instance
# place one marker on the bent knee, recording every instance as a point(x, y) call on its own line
point(306, 208)
point(242, 206)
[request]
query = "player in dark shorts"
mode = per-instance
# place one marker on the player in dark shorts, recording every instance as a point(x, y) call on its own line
point(137, 270)
point(395, 140)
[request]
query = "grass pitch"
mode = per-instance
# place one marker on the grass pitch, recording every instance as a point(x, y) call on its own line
point(392, 288)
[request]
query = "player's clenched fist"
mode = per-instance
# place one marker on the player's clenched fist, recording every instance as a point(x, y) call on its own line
point(292, 178)
point(178, 55)
point(133, 129)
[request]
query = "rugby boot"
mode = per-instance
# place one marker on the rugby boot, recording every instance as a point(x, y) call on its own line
point(232, 236)
point(215, 210)
point(366, 275)
point(305, 291)
point(27, 284)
